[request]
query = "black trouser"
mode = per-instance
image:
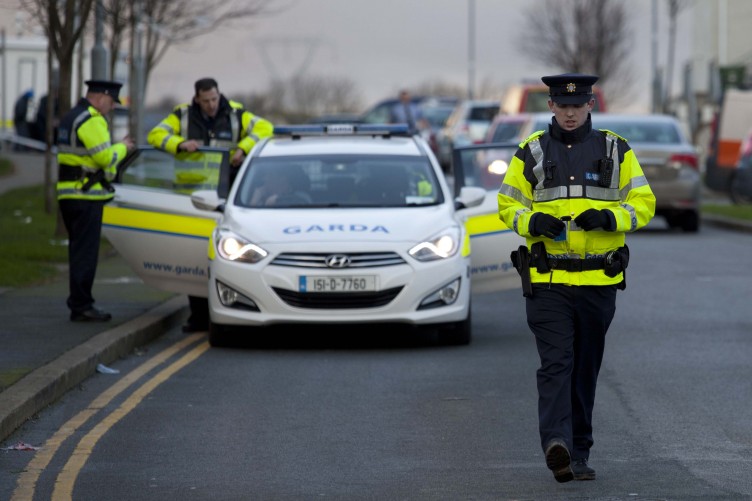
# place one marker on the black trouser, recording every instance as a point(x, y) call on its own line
point(199, 312)
point(83, 221)
point(570, 325)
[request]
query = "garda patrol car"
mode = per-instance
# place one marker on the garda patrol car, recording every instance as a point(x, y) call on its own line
point(323, 224)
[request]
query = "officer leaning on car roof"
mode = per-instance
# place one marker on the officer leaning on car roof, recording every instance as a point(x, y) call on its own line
point(573, 192)
point(209, 120)
point(87, 162)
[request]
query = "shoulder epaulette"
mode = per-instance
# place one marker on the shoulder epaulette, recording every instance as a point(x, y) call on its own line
point(612, 133)
point(181, 107)
point(531, 137)
point(236, 105)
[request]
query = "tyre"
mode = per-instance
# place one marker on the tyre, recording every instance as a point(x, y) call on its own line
point(690, 221)
point(218, 335)
point(458, 333)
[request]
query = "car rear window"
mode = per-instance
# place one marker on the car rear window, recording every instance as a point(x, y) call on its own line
point(643, 132)
point(483, 114)
point(507, 131)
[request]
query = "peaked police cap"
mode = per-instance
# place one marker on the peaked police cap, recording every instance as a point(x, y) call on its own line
point(570, 88)
point(105, 87)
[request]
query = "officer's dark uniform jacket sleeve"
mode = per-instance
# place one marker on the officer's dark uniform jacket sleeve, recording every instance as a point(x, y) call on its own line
point(85, 148)
point(569, 188)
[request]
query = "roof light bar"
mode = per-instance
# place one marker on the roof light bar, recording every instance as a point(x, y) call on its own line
point(344, 129)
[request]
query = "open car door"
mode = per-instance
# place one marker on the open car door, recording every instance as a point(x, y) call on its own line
point(152, 223)
point(491, 242)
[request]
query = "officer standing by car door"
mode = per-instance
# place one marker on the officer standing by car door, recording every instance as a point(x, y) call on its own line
point(87, 162)
point(573, 193)
point(209, 120)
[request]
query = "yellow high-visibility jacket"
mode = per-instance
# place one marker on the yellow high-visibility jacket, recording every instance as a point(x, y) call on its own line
point(233, 127)
point(559, 176)
point(85, 149)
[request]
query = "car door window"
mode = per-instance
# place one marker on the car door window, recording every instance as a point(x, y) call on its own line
point(183, 173)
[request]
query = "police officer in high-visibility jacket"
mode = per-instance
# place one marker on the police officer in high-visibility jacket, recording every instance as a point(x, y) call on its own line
point(572, 192)
point(87, 162)
point(209, 120)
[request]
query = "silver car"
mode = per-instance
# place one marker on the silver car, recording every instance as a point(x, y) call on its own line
point(669, 160)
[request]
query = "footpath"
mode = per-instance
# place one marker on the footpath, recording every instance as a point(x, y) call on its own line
point(43, 355)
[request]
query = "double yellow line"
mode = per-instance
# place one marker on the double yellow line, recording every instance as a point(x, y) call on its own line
point(66, 478)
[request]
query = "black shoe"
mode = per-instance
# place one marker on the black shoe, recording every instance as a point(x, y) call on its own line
point(90, 315)
point(582, 471)
point(559, 461)
point(190, 328)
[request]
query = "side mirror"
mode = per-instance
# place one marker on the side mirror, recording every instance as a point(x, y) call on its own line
point(207, 200)
point(470, 196)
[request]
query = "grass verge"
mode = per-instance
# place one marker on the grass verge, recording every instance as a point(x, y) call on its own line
point(32, 254)
point(731, 210)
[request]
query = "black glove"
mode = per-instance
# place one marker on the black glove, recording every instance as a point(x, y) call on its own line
point(592, 219)
point(546, 225)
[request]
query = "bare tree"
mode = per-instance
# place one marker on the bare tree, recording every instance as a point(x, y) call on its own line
point(584, 36)
point(63, 22)
point(165, 23)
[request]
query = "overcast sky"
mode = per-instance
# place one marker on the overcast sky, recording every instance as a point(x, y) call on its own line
point(381, 45)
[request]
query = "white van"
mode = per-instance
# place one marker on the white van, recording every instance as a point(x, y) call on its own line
point(731, 126)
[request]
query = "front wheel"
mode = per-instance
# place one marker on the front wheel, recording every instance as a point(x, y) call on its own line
point(458, 333)
point(218, 336)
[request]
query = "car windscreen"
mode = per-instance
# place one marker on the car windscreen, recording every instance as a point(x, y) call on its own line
point(338, 181)
point(642, 131)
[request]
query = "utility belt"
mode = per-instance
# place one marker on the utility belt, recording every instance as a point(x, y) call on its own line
point(613, 263)
point(77, 173)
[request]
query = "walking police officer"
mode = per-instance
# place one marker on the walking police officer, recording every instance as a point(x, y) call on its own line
point(87, 162)
point(573, 193)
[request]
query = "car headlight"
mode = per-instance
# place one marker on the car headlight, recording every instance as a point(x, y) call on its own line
point(498, 167)
point(440, 246)
point(234, 248)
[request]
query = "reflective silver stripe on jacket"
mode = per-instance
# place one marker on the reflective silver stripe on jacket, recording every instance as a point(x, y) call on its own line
point(538, 172)
point(541, 194)
point(516, 222)
point(515, 193)
point(170, 134)
point(249, 131)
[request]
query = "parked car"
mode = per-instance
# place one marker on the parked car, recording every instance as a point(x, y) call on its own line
point(505, 129)
point(436, 112)
point(466, 125)
point(363, 228)
point(381, 112)
point(516, 127)
point(532, 97)
point(669, 160)
point(741, 179)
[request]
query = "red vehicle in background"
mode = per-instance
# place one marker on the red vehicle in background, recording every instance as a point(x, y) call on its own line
point(532, 97)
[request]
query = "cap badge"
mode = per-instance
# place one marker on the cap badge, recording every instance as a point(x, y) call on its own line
point(571, 87)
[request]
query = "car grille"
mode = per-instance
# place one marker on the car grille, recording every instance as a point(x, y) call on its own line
point(357, 260)
point(331, 301)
